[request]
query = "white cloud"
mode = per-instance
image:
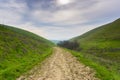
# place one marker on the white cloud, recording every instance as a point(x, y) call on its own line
point(30, 27)
point(12, 12)
point(64, 33)
point(55, 17)
point(8, 17)
point(79, 13)
point(58, 21)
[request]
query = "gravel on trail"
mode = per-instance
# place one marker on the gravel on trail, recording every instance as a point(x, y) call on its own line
point(61, 65)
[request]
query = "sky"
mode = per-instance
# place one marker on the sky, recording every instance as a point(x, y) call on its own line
point(58, 19)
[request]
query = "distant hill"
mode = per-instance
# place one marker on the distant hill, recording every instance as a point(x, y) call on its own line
point(55, 41)
point(20, 50)
point(103, 42)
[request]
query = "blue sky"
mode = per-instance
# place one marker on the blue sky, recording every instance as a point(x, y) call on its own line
point(58, 21)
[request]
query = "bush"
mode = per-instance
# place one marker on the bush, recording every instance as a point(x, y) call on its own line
point(69, 45)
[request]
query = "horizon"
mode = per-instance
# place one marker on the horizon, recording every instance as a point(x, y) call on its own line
point(62, 39)
point(58, 19)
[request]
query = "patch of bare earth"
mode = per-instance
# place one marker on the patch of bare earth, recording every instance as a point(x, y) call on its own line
point(61, 65)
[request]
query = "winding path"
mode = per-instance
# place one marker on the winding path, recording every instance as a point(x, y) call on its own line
point(61, 65)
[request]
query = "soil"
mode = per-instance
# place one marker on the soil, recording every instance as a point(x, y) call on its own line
point(61, 65)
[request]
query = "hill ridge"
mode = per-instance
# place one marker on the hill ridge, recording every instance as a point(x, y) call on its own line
point(102, 45)
point(20, 50)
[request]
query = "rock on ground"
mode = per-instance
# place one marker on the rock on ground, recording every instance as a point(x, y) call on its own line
point(61, 65)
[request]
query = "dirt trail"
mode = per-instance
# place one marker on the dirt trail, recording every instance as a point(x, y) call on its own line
point(61, 65)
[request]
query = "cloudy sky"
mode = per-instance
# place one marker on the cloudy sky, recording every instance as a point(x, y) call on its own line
point(58, 19)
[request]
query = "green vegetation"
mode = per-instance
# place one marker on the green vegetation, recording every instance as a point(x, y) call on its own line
point(101, 72)
point(104, 37)
point(20, 51)
point(69, 45)
point(102, 45)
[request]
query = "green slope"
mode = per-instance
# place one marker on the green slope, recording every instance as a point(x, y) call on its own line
point(103, 45)
point(102, 39)
point(20, 50)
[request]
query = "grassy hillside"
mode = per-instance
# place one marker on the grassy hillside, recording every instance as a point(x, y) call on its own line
point(101, 71)
point(103, 45)
point(20, 50)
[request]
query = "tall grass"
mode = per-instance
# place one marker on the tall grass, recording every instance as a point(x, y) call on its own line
point(102, 45)
point(101, 71)
point(20, 50)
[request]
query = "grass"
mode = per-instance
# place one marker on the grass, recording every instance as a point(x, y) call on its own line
point(101, 71)
point(102, 45)
point(13, 68)
point(20, 51)
point(106, 36)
